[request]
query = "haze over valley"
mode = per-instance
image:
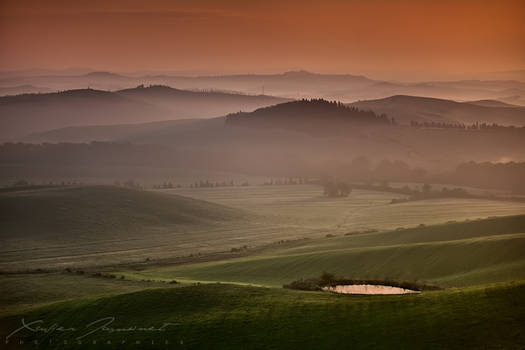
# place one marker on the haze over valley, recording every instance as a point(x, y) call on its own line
point(269, 175)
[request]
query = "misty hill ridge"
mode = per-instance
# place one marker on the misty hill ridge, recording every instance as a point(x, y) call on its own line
point(492, 103)
point(291, 84)
point(427, 109)
point(170, 91)
point(307, 115)
point(101, 74)
point(26, 114)
point(151, 90)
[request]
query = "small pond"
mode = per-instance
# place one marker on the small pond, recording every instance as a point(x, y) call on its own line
point(372, 289)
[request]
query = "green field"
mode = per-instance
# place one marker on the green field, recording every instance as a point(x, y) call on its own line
point(236, 317)
point(227, 299)
point(81, 226)
point(55, 228)
point(449, 255)
point(25, 291)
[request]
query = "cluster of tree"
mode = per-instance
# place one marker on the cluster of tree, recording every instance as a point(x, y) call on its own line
point(129, 184)
point(363, 174)
point(336, 189)
point(208, 184)
point(463, 126)
point(240, 249)
point(427, 193)
point(26, 183)
point(287, 181)
point(311, 116)
point(166, 185)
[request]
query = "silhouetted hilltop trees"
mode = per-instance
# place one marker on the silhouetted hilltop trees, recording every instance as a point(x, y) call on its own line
point(462, 126)
point(312, 116)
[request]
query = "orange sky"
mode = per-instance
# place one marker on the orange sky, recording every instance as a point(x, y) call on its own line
point(384, 38)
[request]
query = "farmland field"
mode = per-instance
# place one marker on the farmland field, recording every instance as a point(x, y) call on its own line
point(105, 225)
point(93, 263)
point(449, 255)
point(238, 175)
point(306, 206)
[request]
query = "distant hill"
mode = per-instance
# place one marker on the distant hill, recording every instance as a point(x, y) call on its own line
point(292, 85)
point(91, 133)
point(22, 89)
point(292, 137)
point(413, 108)
point(198, 104)
point(346, 87)
point(491, 103)
point(22, 115)
point(312, 116)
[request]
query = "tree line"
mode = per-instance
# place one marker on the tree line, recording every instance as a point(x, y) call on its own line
point(468, 127)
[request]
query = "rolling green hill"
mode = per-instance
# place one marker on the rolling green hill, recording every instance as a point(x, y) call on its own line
point(449, 255)
point(56, 227)
point(230, 317)
point(100, 211)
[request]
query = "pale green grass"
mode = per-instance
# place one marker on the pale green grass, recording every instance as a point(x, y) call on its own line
point(89, 226)
point(305, 206)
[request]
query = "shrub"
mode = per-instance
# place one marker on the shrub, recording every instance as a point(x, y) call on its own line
point(302, 284)
point(327, 279)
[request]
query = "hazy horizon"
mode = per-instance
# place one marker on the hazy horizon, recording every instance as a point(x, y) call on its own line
point(407, 40)
point(515, 74)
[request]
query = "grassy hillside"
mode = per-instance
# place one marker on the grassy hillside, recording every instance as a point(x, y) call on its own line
point(230, 317)
point(45, 227)
point(449, 255)
point(29, 290)
point(100, 211)
point(55, 227)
